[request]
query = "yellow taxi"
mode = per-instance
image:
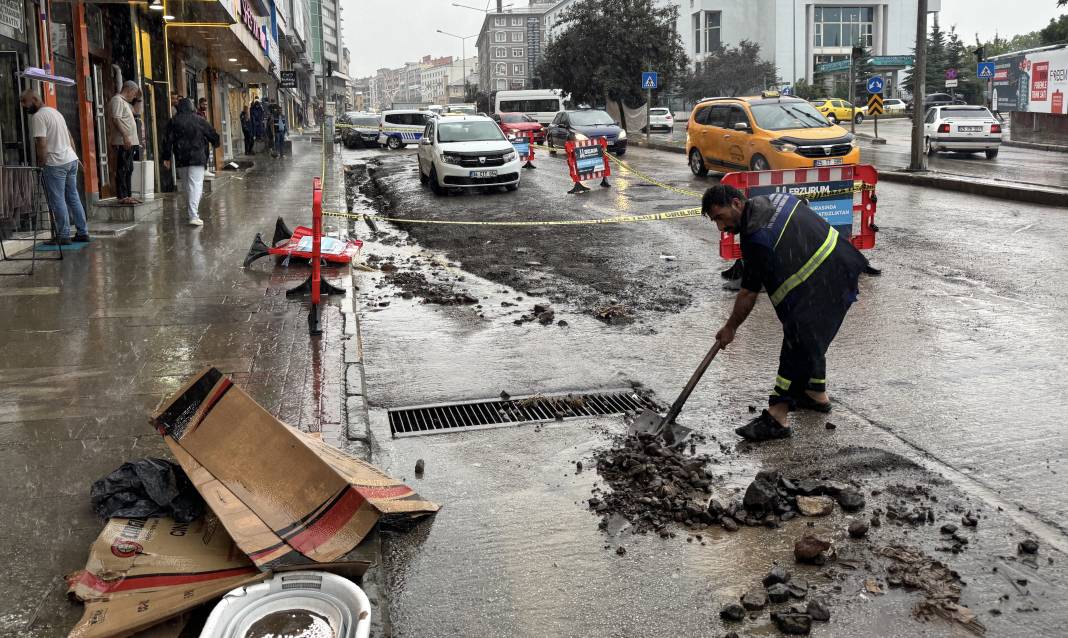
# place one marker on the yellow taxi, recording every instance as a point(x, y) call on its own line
point(766, 132)
point(838, 110)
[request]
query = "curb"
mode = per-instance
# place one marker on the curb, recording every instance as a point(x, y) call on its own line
point(1028, 193)
point(660, 146)
point(1054, 148)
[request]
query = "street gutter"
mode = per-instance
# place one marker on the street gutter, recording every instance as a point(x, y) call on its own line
point(1054, 148)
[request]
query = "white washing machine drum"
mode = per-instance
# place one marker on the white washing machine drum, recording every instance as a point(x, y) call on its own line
point(292, 605)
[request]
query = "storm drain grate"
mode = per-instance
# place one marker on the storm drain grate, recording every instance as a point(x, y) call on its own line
point(495, 413)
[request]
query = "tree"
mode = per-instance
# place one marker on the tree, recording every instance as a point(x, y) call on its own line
point(806, 91)
point(731, 71)
point(1056, 32)
point(862, 71)
point(1000, 45)
point(935, 77)
point(605, 46)
point(960, 58)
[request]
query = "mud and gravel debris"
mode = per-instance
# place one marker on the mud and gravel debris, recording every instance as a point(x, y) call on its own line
point(614, 314)
point(1028, 546)
point(794, 622)
point(732, 612)
point(911, 569)
point(755, 600)
point(858, 529)
point(817, 610)
point(652, 485)
point(420, 465)
point(416, 283)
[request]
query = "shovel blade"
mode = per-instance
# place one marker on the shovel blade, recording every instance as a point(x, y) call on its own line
point(649, 422)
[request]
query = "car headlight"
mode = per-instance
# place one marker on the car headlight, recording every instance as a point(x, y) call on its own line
point(450, 159)
point(853, 142)
point(509, 156)
point(579, 137)
point(784, 147)
point(622, 134)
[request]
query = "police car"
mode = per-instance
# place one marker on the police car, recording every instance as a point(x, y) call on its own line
point(397, 129)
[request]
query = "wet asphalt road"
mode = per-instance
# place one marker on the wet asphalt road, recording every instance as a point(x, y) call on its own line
point(944, 374)
point(1021, 165)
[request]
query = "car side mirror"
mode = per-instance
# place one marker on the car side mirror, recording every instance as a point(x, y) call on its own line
point(426, 141)
point(741, 126)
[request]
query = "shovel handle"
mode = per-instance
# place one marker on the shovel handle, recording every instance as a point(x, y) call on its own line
point(676, 407)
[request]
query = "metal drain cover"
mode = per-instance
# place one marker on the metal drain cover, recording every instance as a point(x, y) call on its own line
point(495, 413)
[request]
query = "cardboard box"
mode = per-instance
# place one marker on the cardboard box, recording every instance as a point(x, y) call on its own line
point(141, 572)
point(287, 499)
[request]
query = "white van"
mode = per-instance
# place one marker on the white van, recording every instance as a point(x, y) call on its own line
point(397, 129)
point(541, 105)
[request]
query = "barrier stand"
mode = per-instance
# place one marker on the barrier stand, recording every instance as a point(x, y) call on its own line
point(530, 145)
point(523, 143)
point(588, 159)
point(831, 192)
point(315, 284)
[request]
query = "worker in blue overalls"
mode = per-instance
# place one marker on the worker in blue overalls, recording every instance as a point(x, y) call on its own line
point(810, 273)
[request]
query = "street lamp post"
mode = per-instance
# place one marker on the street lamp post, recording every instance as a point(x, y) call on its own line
point(463, 55)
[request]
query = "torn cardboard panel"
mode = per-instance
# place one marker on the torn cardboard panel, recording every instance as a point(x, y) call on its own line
point(286, 498)
point(141, 572)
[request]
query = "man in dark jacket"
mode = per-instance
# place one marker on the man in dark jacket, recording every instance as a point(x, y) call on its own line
point(246, 130)
point(810, 273)
point(186, 142)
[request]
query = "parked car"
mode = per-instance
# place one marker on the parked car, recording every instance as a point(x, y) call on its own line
point(661, 119)
point(466, 151)
point(361, 130)
point(762, 133)
point(961, 129)
point(512, 123)
point(587, 124)
point(397, 129)
point(935, 99)
point(892, 105)
point(837, 110)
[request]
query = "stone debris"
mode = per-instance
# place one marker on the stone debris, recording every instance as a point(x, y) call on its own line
point(777, 574)
point(817, 610)
point(420, 465)
point(858, 529)
point(815, 505)
point(778, 593)
point(850, 499)
point(911, 569)
point(1029, 546)
point(732, 612)
point(811, 549)
point(793, 623)
point(755, 600)
point(416, 283)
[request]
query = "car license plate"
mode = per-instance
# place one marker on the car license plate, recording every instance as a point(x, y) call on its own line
point(835, 161)
point(970, 129)
point(483, 173)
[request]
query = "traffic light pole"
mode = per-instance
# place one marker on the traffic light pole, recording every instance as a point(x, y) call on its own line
point(919, 89)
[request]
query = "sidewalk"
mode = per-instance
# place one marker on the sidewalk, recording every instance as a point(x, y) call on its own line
point(90, 345)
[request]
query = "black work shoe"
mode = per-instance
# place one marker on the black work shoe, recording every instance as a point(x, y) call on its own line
point(81, 239)
point(57, 242)
point(763, 428)
point(806, 402)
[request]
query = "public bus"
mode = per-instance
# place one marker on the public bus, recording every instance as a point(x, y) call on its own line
point(540, 104)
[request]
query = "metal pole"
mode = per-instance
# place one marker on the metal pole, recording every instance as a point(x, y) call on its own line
point(463, 63)
point(919, 89)
point(852, 94)
point(648, 106)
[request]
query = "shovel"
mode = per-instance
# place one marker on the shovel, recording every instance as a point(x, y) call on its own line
point(649, 422)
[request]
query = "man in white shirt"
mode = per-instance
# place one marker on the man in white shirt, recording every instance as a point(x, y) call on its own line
point(56, 154)
point(123, 137)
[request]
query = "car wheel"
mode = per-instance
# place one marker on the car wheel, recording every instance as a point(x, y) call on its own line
point(435, 186)
point(423, 179)
point(697, 163)
point(394, 143)
point(928, 147)
point(992, 153)
point(511, 188)
point(831, 118)
point(759, 163)
point(859, 118)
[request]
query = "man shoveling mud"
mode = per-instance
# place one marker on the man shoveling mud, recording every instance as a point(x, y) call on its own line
point(810, 273)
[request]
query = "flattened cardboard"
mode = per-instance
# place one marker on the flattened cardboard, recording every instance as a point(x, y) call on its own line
point(141, 572)
point(286, 498)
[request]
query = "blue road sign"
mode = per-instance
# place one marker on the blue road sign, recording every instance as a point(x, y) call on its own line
point(650, 80)
point(787, 90)
point(875, 85)
point(985, 71)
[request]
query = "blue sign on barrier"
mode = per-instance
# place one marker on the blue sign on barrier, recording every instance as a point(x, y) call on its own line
point(838, 212)
point(522, 147)
point(588, 159)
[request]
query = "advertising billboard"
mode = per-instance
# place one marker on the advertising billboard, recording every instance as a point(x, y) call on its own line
point(1031, 82)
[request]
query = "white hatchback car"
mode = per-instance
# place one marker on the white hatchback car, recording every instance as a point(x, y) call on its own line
point(963, 129)
point(467, 151)
point(661, 119)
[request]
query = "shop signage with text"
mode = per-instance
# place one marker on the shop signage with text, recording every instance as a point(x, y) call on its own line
point(249, 19)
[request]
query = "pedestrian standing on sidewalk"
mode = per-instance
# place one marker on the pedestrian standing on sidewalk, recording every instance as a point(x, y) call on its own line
point(124, 139)
point(186, 143)
point(258, 125)
point(246, 130)
point(810, 273)
point(55, 153)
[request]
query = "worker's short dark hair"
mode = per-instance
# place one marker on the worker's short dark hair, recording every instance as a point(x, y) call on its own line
point(720, 195)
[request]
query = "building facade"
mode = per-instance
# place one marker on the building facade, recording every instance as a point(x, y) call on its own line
point(510, 47)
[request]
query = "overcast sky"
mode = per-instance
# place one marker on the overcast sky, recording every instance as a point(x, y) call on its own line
point(388, 33)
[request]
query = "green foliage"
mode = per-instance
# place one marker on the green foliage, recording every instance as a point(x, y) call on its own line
point(1020, 42)
point(1056, 32)
point(862, 70)
point(605, 46)
point(731, 71)
point(935, 75)
point(806, 91)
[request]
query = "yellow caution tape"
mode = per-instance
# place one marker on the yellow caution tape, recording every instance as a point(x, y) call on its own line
point(651, 217)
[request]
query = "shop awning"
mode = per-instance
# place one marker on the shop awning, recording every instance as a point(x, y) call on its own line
point(35, 73)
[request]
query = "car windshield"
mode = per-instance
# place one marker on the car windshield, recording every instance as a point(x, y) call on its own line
point(460, 109)
point(364, 120)
point(591, 118)
point(781, 116)
point(978, 114)
point(516, 118)
point(477, 131)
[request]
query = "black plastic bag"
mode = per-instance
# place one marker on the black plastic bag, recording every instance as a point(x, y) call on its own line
point(146, 488)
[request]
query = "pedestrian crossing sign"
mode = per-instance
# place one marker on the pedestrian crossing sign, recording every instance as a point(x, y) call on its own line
point(985, 71)
point(875, 104)
point(650, 80)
